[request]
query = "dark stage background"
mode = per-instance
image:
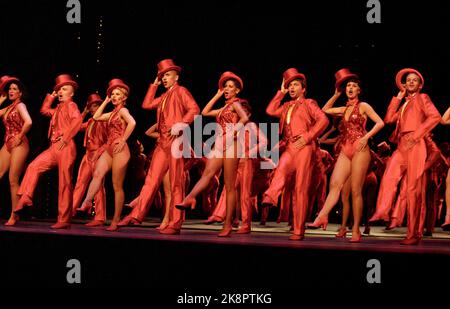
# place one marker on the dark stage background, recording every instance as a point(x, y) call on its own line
point(126, 39)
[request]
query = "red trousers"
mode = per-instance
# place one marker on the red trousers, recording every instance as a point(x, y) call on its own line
point(287, 200)
point(245, 176)
point(409, 162)
point(64, 160)
point(85, 172)
point(298, 162)
point(162, 160)
point(401, 205)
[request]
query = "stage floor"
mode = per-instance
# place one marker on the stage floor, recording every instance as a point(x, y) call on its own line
point(270, 235)
point(33, 254)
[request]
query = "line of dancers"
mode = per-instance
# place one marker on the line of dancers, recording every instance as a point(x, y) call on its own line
point(297, 183)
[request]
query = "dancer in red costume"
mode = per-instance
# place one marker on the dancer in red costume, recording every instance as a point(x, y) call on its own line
point(225, 149)
point(14, 151)
point(301, 122)
point(158, 200)
point(250, 166)
point(446, 225)
point(176, 109)
point(346, 189)
point(64, 125)
point(96, 135)
point(250, 179)
point(354, 158)
point(116, 154)
point(415, 118)
point(153, 133)
point(434, 157)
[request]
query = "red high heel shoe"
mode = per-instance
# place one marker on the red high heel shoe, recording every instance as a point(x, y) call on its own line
point(342, 232)
point(113, 227)
point(25, 200)
point(296, 237)
point(410, 241)
point(60, 225)
point(95, 223)
point(12, 220)
point(130, 205)
point(213, 219)
point(356, 237)
point(86, 207)
point(319, 222)
point(376, 218)
point(128, 220)
point(226, 232)
point(186, 204)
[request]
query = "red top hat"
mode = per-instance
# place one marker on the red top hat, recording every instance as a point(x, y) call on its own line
point(342, 75)
point(114, 83)
point(227, 76)
point(5, 80)
point(64, 79)
point(403, 72)
point(93, 98)
point(167, 65)
point(290, 74)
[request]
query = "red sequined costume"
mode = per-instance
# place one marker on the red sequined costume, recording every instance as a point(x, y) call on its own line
point(351, 131)
point(13, 125)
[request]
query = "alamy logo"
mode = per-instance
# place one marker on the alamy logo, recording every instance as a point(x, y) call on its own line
point(74, 14)
point(74, 273)
point(374, 274)
point(234, 140)
point(374, 14)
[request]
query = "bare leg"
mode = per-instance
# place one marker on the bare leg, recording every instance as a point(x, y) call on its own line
point(102, 166)
point(212, 166)
point(18, 157)
point(5, 161)
point(119, 169)
point(345, 199)
point(339, 176)
point(360, 164)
